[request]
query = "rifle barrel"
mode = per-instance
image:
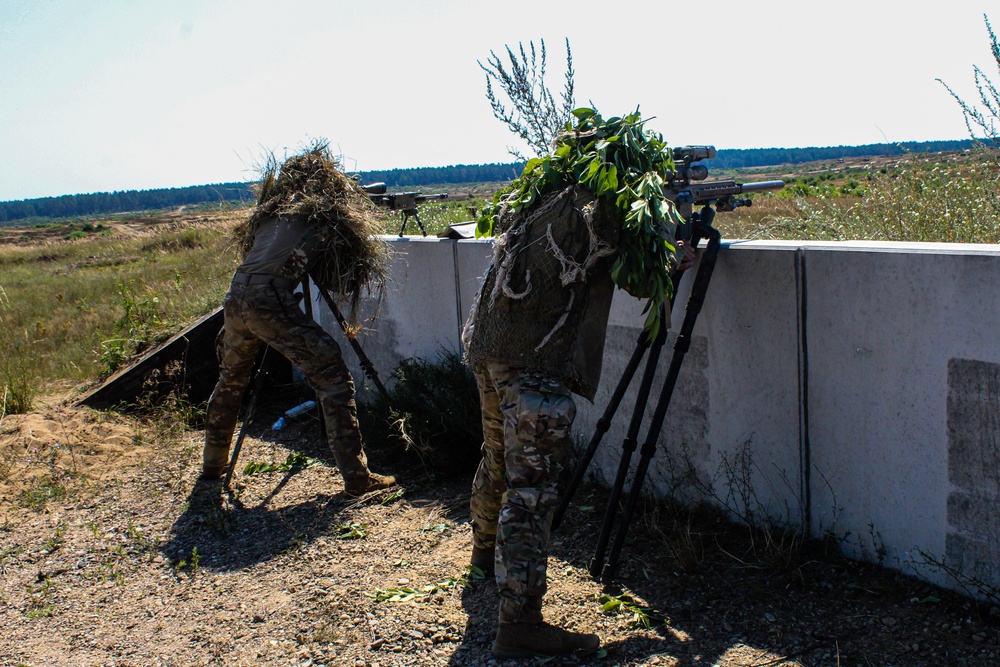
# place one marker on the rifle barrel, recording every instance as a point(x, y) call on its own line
point(763, 185)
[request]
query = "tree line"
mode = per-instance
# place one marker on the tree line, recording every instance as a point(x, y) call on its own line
point(103, 203)
point(739, 158)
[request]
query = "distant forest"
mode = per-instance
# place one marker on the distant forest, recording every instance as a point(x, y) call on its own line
point(101, 203)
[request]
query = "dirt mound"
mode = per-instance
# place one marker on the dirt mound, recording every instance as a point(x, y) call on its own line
point(61, 449)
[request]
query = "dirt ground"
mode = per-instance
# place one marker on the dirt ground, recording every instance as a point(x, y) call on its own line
point(111, 553)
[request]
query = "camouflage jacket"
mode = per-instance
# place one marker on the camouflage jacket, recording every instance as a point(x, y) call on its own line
point(544, 304)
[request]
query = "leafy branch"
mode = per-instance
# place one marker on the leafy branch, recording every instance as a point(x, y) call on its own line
point(620, 160)
point(293, 462)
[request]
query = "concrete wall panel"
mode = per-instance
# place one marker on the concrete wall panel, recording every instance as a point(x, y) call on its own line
point(849, 387)
point(884, 326)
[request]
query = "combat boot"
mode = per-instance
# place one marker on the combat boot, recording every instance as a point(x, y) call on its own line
point(484, 558)
point(374, 482)
point(211, 473)
point(526, 640)
point(215, 462)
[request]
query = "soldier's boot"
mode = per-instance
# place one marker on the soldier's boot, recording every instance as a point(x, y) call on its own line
point(345, 440)
point(215, 461)
point(526, 640)
point(374, 482)
point(484, 558)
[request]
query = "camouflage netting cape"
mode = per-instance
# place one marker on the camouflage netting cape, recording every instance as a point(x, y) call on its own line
point(311, 184)
point(550, 269)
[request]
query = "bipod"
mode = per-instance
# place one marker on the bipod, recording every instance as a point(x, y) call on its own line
point(366, 365)
point(703, 228)
point(255, 381)
point(411, 213)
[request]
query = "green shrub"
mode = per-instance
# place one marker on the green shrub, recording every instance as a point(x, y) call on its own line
point(432, 418)
point(18, 354)
point(135, 327)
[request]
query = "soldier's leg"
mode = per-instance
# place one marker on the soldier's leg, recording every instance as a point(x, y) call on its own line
point(488, 485)
point(238, 350)
point(538, 413)
point(307, 345)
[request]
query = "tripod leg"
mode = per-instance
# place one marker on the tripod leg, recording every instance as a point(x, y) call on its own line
point(681, 346)
point(628, 447)
point(366, 364)
point(307, 302)
point(254, 382)
point(603, 425)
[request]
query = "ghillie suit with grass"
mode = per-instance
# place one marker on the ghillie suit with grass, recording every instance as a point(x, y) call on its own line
point(354, 260)
point(311, 220)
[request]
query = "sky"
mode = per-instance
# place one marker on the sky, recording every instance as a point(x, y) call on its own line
point(102, 95)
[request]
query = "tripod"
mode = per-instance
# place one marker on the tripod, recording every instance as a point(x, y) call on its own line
point(599, 567)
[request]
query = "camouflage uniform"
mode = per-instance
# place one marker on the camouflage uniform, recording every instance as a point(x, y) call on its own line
point(260, 308)
point(526, 427)
point(535, 337)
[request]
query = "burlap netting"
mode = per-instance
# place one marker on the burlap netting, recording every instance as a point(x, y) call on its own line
point(550, 271)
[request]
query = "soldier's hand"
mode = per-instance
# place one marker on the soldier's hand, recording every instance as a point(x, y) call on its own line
point(687, 261)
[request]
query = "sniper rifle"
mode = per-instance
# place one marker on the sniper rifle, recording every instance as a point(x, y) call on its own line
point(406, 202)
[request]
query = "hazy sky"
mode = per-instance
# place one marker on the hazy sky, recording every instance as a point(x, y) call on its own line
point(101, 95)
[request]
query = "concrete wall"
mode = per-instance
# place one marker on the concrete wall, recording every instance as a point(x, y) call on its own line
point(850, 387)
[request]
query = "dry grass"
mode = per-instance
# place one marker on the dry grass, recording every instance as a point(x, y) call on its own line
point(63, 303)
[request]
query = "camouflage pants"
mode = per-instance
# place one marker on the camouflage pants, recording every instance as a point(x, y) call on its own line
point(261, 313)
point(527, 418)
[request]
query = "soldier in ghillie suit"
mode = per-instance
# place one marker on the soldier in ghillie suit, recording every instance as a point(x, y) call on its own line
point(310, 220)
point(535, 337)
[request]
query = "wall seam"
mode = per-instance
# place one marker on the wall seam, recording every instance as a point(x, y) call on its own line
point(458, 294)
point(805, 452)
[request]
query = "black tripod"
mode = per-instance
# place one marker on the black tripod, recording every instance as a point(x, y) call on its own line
point(599, 568)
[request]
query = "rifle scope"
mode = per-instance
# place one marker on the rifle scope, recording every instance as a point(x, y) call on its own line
point(689, 154)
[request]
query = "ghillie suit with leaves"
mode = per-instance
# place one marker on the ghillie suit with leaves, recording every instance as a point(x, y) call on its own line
point(590, 215)
point(353, 260)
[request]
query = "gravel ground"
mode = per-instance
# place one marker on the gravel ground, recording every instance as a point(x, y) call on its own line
point(135, 563)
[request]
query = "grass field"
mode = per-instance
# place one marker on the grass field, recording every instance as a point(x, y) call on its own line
point(80, 297)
